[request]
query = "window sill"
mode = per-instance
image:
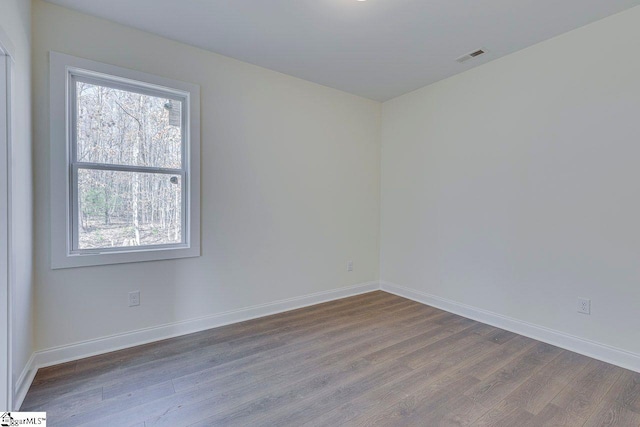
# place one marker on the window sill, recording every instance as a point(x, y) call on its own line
point(121, 257)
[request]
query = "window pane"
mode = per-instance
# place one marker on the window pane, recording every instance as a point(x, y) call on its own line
point(120, 209)
point(127, 128)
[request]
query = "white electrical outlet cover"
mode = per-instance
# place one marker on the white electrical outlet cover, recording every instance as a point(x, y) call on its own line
point(584, 306)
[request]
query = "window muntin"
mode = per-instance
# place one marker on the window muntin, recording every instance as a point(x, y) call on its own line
point(128, 174)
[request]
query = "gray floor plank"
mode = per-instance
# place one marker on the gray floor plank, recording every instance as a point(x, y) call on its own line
point(372, 359)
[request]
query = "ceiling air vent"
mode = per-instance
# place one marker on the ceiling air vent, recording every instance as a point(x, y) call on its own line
point(471, 55)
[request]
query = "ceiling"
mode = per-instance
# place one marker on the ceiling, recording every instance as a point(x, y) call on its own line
point(378, 49)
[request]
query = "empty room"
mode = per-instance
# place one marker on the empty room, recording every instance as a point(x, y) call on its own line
point(320, 213)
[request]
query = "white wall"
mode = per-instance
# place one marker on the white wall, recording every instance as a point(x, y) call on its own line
point(15, 20)
point(515, 187)
point(290, 189)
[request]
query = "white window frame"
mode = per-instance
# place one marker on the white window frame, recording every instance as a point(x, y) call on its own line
point(65, 70)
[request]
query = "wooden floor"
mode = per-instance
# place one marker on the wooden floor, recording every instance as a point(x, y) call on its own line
point(373, 359)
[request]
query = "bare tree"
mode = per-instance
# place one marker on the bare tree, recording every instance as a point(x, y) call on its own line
point(127, 208)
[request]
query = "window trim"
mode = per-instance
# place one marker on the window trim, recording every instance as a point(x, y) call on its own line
point(64, 71)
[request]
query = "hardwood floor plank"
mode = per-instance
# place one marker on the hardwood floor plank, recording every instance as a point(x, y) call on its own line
point(371, 359)
point(500, 336)
point(357, 354)
point(343, 352)
point(416, 409)
point(314, 405)
point(496, 387)
point(425, 337)
point(304, 352)
point(157, 374)
point(54, 373)
point(539, 389)
point(67, 404)
point(107, 374)
point(105, 408)
point(619, 407)
point(400, 388)
point(371, 401)
point(442, 349)
point(500, 356)
point(458, 411)
point(613, 413)
point(360, 304)
point(509, 418)
point(578, 401)
point(627, 390)
point(344, 381)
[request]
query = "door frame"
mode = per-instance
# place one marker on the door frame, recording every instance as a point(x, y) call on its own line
point(6, 255)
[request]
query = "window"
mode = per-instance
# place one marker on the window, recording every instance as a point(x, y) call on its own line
point(124, 165)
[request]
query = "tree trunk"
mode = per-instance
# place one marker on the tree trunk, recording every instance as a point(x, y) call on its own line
point(177, 217)
point(107, 198)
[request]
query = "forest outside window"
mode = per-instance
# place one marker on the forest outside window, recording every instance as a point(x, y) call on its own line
point(130, 164)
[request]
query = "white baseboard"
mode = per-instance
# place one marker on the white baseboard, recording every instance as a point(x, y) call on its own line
point(24, 382)
point(603, 352)
point(66, 353)
point(80, 350)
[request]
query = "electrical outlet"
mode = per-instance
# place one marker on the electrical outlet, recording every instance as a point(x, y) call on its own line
point(134, 298)
point(349, 265)
point(584, 306)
